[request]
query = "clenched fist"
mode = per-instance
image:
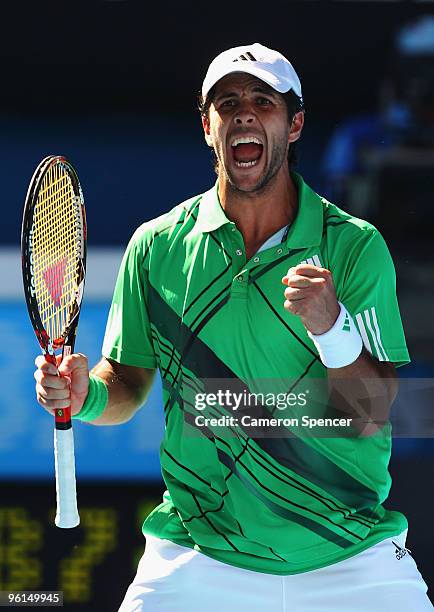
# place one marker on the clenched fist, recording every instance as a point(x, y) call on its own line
point(311, 295)
point(64, 387)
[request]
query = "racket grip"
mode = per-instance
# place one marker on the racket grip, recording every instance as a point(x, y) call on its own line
point(66, 493)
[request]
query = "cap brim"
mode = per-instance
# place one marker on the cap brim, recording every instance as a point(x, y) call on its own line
point(260, 73)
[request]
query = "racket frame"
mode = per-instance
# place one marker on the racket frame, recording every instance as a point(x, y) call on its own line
point(67, 513)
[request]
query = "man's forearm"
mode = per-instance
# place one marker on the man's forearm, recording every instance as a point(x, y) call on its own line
point(365, 391)
point(128, 388)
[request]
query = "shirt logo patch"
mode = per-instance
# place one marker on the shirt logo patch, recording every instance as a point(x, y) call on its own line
point(313, 261)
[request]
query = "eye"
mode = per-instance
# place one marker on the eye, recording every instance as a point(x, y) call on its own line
point(263, 101)
point(227, 103)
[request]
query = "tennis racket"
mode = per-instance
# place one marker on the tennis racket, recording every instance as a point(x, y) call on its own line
point(53, 249)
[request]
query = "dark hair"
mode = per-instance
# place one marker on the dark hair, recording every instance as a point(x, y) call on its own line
point(294, 104)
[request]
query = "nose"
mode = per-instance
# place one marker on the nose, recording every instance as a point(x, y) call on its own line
point(244, 115)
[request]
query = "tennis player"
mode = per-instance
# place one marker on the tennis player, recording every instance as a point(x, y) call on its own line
point(259, 278)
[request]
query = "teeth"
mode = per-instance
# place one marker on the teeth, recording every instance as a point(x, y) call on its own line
point(246, 140)
point(246, 164)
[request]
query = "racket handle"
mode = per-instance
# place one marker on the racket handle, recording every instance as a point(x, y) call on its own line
point(66, 493)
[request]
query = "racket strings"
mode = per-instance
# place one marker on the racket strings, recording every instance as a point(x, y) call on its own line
point(56, 250)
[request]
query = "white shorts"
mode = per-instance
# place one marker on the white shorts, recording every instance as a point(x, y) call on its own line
point(172, 578)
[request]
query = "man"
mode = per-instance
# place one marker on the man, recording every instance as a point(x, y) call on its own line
point(257, 519)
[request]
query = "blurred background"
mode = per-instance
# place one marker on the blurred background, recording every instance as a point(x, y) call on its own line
point(112, 85)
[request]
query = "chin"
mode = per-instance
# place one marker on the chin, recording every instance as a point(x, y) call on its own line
point(244, 186)
point(248, 183)
point(248, 188)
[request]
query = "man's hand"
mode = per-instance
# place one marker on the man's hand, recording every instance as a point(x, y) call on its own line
point(67, 387)
point(311, 295)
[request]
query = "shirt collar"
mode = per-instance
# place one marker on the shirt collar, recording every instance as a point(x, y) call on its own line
point(211, 215)
point(304, 231)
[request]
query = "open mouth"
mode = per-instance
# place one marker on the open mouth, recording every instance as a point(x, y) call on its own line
point(247, 151)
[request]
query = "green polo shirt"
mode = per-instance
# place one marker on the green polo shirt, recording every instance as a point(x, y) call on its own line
point(278, 499)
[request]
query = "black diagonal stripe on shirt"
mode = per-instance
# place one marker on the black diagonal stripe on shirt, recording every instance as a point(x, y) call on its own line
point(186, 347)
point(276, 555)
point(189, 418)
point(299, 379)
point(194, 333)
point(309, 491)
point(230, 463)
point(295, 484)
point(285, 499)
point(173, 397)
point(164, 351)
point(225, 289)
point(187, 469)
point(205, 289)
point(210, 523)
point(261, 270)
point(205, 308)
point(206, 431)
point(284, 323)
point(274, 471)
point(293, 453)
point(167, 349)
point(310, 524)
point(194, 517)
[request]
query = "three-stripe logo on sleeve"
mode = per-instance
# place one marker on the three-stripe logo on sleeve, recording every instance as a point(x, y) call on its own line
point(370, 331)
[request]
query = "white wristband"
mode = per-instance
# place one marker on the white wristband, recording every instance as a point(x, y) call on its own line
point(340, 345)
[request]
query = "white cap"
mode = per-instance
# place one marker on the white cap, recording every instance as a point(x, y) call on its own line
point(266, 64)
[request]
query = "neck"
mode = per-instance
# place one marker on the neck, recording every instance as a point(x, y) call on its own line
point(258, 215)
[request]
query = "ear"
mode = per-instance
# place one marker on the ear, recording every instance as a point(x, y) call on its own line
point(207, 131)
point(296, 127)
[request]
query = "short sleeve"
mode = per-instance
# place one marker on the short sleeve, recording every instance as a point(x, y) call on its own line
point(368, 292)
point(128, 337)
